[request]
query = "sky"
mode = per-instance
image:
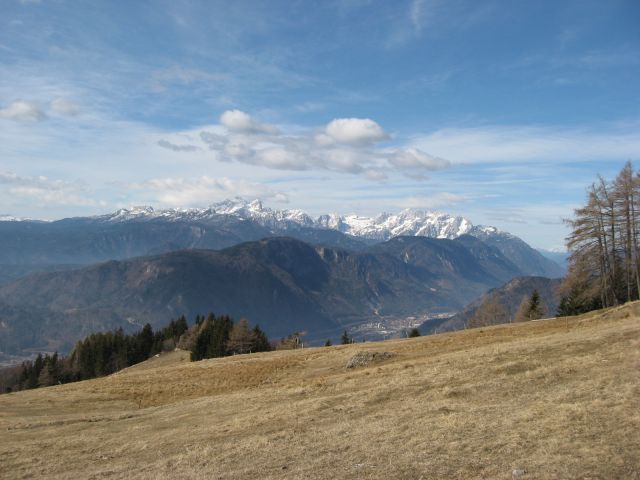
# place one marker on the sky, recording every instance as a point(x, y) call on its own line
point(501, 111)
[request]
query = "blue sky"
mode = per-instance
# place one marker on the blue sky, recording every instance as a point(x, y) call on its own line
point(501, 111)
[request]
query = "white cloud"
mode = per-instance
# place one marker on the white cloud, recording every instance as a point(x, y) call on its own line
point(412, 158)
point(46, 191)
point(278, 157)
point(355, 131)
point(517, 144)
point(241, 122)
point(344, 145)
point(22, 111)
point(202, 190)
point(65, 107)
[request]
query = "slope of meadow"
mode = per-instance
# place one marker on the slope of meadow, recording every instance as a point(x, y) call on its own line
point(559, 398)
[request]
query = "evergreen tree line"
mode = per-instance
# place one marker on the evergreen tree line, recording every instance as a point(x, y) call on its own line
point(220, 336)
point(105, 353)
point(97, 355)
point(604, 268)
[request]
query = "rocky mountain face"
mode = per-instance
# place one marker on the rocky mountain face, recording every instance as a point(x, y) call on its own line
point(281, 283)
point(128, 233)
point(509, 295)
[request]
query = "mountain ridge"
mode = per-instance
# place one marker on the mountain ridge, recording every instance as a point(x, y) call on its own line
point(138, 231)
point(281, 283)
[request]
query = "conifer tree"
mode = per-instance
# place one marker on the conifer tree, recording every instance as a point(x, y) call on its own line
point(220, 331)
point(260, 340)
point(203, 339)
point(536, 309)
point(413, 333)
point(531, 308)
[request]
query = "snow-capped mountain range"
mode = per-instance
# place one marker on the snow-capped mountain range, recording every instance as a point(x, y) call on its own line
point(11, 218)
point(408, 222)
point(140, 231)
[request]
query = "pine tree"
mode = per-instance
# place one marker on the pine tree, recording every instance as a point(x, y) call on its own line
point(531, 308)
point(345, 339)
point(260, 341)
point(536, 308)
point(181, 326)
point(145, 338)
point(328, 343)
point(413, 333)
point(203, 339)
point(221, 328)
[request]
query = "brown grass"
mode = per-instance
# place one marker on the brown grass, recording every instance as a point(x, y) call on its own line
point(560, 398)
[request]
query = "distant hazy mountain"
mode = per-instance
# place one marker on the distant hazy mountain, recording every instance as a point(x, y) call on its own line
point(510, 295)
point(561, 257)
point(128, 233)
point(283, 284)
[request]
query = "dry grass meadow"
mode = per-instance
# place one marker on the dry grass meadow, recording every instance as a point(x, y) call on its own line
point(559, 398)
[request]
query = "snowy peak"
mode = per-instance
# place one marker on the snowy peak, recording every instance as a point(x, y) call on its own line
point(382, 227)
point(265, 216)
point(408, 222)
point(124, 214)
point(5, 217)
point(10, 218)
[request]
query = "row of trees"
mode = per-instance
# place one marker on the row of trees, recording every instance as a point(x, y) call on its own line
point(219, 336)
point(101, 354)
point(97, 355)
point(604, 267)
point(105, 353)
point(492, 312)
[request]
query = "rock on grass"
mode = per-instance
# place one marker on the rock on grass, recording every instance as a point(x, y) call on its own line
point(362, 359)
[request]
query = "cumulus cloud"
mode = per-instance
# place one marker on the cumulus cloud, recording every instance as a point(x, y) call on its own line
point(202, 190)
point(344, 145)
point(355, 131)
point(241, 122)
point(22, 111)
point(63, 106)
point(46, 191)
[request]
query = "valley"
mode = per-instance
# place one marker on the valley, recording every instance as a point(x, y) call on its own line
point(282, 269)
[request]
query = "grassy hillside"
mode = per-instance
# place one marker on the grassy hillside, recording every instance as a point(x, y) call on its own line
point(560, 398)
